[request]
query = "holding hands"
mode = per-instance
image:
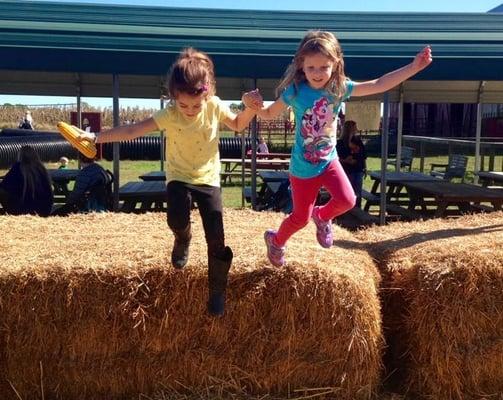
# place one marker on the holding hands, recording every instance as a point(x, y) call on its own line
point(253, 100)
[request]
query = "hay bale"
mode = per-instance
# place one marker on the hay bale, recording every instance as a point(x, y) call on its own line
point(443, 304)
point(90, 308)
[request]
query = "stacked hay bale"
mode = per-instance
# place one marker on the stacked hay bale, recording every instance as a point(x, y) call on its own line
point(90, 308)
point(443, 305)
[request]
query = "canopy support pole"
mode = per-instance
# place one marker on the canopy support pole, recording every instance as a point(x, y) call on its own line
point(399, 131)
point(162, 140)
point(478, 132)
point(384, 159)
point(116, 145)
point(254, 158)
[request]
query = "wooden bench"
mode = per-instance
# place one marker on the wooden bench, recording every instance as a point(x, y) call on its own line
point(447, 194)
point(371, 199)
point(406, 158)
point(268, 156)
point(402, 212)
point(355, 219)
point(481, 208)
point(226, 176)
point(150, 195)
point(265, 196)
point(362, 216)
point(374, 200)
point(456, 168)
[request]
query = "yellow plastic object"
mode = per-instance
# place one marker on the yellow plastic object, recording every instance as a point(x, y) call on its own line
point(71, 133)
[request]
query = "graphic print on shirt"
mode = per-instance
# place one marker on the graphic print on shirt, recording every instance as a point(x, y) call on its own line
point(316, 130)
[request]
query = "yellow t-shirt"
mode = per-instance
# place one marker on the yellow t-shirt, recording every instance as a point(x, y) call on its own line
point(192, 144)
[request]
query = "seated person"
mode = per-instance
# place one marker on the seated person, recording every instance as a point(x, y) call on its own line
point(63, 163)
point(352, 155)
point(262, 146)
point(92, 189)
point(85, 125)
point(27, 188)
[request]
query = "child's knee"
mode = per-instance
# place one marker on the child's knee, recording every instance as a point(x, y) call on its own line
point(299, 221)
point(348, 202)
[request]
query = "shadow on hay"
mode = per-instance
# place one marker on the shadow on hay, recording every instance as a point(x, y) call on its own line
point(393, 301)
point(413, 240)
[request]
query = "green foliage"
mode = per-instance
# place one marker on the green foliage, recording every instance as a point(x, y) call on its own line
point(237, 107)
point(231, 193)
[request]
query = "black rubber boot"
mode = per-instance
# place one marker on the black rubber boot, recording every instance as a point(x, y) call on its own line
point(218, 271)
point(180, 253)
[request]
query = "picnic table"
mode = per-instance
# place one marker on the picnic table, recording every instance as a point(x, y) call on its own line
point(150, 195)
point(273, 176)
point(395, 180)
point(60, 180)
point(232, 166)
point(466, 197)
point(269, 195)
point(154, 176)
point(396, 201)
point(489, 178)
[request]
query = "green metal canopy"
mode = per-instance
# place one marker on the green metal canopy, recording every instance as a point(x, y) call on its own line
point(51, 48)
point(93, 50)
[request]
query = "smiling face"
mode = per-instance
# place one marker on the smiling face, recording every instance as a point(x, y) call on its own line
point(190, 106)
point(317, 69)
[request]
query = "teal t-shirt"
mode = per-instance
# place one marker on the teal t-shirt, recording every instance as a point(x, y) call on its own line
point(315, 114)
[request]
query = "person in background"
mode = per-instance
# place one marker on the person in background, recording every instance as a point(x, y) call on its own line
point(27, 121)
point(86, 126)
point(191, 120)
point(91, 190)
point(262, 146)
point(315, 86)
point(63, 163)
point(352, 155)
point(27, 187)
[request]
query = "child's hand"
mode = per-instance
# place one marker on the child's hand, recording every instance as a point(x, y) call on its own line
point(253, 100)
point(87, 136)
point(423, 58)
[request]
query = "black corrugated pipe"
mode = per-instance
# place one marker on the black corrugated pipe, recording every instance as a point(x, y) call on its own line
point(148, 148)
point(49, 148)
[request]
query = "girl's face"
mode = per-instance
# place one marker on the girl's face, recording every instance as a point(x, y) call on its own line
point(318, 70)
point(190, 106)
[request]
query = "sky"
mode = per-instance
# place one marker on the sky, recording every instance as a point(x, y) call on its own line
point(328, 5)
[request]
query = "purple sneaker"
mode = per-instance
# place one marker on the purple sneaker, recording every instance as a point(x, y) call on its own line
point(275, 253)
point(323, 230)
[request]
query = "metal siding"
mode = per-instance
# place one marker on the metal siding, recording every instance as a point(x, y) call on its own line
point(99, 39)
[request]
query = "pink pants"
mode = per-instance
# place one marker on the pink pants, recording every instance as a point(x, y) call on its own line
point(304, 194)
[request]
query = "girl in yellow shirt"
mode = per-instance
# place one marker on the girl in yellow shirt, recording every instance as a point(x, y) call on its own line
point(191, 122)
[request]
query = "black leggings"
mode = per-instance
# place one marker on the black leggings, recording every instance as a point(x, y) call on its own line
point(209, 201)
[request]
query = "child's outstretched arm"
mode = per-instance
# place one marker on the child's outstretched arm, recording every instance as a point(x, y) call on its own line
point(391, 79)
point(255, 102)
point(123, 132)
point(241, 120)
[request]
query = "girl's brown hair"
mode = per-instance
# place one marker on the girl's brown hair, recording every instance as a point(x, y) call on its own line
point(316, 42)
point(349, 129)
point(192, 73)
